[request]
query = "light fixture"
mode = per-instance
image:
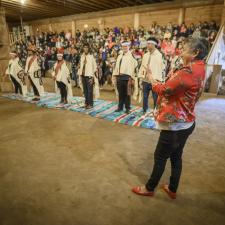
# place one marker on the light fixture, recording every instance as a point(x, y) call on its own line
point(85, 25)
point(22, 2)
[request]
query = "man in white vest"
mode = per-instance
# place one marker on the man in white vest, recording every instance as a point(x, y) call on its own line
point(33, 70)
point(87, 73)
point(124, 71)
point(152, 60)
point(16, 74)
point(61, 75)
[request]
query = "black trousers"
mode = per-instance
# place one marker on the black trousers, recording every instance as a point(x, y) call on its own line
point(124, 98)
point(170, 145)
point(36, 93)
point(147, 87)
point(63, 90)
point(18, 88)
point(88, 83)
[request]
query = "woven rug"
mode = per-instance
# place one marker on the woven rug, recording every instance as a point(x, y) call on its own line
point(102, 109)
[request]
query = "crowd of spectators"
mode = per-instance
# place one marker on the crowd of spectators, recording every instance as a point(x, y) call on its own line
point(105, 44)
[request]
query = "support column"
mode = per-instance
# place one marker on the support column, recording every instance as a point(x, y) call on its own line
point(101, 24)
point(181, 17)
point(73, 30)
point(31, 30)
point(223, 14)
point(4, 50)
point(136, 20)
point(50, 27)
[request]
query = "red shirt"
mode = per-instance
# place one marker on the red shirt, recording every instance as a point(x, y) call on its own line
point(178, 95)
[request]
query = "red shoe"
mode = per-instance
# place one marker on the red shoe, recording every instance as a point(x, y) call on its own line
point(137, 190)
point(165, 187)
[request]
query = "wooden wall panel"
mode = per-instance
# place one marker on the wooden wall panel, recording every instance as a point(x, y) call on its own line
point(161, 17)
point(4, 38)
point(90, 22)
point(120, 21)
point(223, 15)
point(40, 28)
point(203, 13)
point(62, 26)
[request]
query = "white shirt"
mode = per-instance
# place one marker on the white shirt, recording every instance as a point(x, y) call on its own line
point(173, 126)
point(14, 68)
point(125, 64)
point(90, 67)
point(11, 66)
point(63, 74)
point(33, 67)
point(155, 62)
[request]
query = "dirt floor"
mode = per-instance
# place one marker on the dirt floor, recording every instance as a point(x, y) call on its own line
point(65, 168)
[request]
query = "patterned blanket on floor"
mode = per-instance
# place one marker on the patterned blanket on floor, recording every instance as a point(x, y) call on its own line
point(102, 109)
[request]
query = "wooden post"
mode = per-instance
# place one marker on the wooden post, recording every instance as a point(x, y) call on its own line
point(181, 16)
point(136, 20)
point(73, 30)
point(223, 14)
point(101, 24)
point(50, 27)
point(4, 51)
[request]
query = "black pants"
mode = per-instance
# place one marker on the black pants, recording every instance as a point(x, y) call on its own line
point(147, 87)
point(170, 145)
point(63, 90)
point(88, 83)
point(36, 93)
point(18, 88)
point(124, 98)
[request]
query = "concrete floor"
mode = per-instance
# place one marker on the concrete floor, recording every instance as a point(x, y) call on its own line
point(65, 168)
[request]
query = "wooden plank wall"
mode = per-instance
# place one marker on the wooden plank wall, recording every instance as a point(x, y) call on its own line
point(120, 21)
point(40, 27)
point(203, 13)
point(62, 26)
point(162, 17)
point(90, 22)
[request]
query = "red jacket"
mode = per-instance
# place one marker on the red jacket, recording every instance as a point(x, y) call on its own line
point(178, 95)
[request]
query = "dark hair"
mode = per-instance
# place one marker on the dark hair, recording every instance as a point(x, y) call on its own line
point(153, 39)
point(199, 44)
point(86, 45)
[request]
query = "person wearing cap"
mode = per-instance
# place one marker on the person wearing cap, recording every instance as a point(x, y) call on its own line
point(61, 75)
point(152, 60)
point(88, 74)
point(15, 71)
point(33, 70)
point(124, 71)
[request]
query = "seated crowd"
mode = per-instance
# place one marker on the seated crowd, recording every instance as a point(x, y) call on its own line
point(105, 45)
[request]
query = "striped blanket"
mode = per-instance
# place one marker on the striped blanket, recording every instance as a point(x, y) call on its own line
point(102, 109)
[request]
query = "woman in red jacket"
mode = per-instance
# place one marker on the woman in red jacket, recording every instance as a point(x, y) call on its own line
point(175, 115)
